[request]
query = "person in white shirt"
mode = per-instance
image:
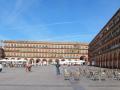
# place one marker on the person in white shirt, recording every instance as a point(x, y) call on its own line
point(1, 67)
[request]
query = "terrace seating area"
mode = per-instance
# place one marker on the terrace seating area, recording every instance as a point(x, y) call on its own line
point(92, 73)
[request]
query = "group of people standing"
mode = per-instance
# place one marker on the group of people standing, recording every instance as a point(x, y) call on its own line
point(28, 66)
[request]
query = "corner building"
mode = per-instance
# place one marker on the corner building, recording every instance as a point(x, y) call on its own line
point(45, 51)
point(104, 49)
point(1, 53)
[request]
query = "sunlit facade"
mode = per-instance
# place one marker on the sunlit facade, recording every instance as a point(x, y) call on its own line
point(49, 51)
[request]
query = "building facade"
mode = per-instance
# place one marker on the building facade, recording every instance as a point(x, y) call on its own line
point(104, 49)
point(2, 54)
point(45, 51)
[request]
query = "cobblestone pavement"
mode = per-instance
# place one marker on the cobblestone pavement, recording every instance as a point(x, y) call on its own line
point(45, 78)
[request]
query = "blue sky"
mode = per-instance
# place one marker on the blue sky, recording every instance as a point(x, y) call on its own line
point(54, 20)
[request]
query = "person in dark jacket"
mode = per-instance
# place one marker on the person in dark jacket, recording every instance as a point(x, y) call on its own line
point(57, 67)
point(1, 67)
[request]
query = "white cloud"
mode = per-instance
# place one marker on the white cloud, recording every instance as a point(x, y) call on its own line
point(59, 23)
point(34, 32)
point(14, 15)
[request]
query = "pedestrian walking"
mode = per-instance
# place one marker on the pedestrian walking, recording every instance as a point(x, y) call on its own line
point(28, 66)
point(57, 67)
point(1, 67)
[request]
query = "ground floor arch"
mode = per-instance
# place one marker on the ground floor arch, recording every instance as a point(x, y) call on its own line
point(109, 60)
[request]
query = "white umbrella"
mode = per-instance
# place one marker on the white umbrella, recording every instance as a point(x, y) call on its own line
point(22, 60)
point(81, 61)
point(3, 60)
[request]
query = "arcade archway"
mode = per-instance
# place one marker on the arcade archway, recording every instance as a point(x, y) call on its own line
point(83, 58)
